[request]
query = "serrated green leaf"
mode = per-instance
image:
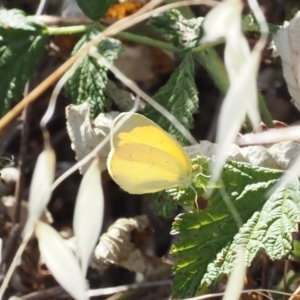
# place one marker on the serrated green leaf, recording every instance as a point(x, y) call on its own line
point(185, 34)
point(181, 32)
point(95, 9)
point(179, 97)
point(205, 236)
point(22, 43)
point(89, 80)
point(270, 230)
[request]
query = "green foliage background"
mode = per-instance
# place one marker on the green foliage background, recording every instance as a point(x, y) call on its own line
point(243, 208)
point(89, 78)
point(22, 46)
point(209, 238)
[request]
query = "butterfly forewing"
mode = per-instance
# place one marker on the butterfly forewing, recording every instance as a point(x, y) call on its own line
point(145, 131)
point(144, 158)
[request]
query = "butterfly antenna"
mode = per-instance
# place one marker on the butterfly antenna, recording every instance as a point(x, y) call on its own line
point(196, 196)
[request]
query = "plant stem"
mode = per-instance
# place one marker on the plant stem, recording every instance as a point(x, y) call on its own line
point(266, 116)
point(148, 41)
point(68, 29)
point(214, 66)
point(208, 45)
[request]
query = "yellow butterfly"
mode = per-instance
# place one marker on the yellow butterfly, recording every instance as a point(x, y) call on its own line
point(144, 158)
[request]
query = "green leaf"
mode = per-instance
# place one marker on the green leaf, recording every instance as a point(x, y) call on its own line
point(179, 97)
point(212, 63)
point(95, 9)
point(296, 250)
point(184, 34)
point(277, 220)
point(206, 235)
point(181, 32)
point(166, 202)
point(249, 23)
point(165, 205)
point(22, 44)
point(270, 229)
point(89, 80)
point(186, 196)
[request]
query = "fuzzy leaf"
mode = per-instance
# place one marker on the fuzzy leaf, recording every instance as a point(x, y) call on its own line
point(22, 43)
point(95, 9)
point(178, 96)
point(205, 234)
point(184, 33)
point(270, 229)
point(89, 80)
point(181, 32)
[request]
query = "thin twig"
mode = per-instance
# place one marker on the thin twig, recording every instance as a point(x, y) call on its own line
point(286, 269)
point(61, 21)
point(296, 294)
point(56, 291)
point(7, 251)
point(265, 273)
point(21, 165)
point(122, 288)
point(41, 7)
point(52, 293)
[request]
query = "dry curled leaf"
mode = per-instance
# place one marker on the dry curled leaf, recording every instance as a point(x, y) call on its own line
point(277, 156)
point(118, 245)
point(123, 99)
point(86, 135)
point(8, 178)
point(287, 41)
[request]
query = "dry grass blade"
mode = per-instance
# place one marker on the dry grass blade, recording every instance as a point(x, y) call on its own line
point(61, 261)
point(40, 192)
point(229, 127)
point(242, 67)
point(270, 136)
point(89, 212)
point(236, 280)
